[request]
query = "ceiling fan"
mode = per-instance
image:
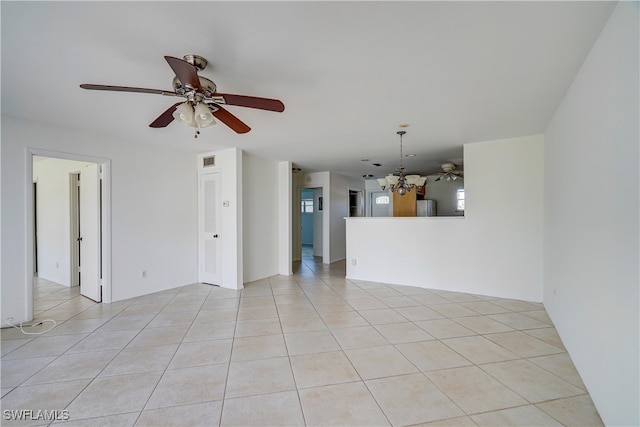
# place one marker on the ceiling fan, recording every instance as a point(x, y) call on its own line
point(203, 102)
point(449, 173)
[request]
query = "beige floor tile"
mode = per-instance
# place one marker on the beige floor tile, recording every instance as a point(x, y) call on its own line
point(140, 359)
point(78, 326)
point(348, 404)
point(317, 369)
point(75, 366)
point(430, 299)
point(273, 409)
point(369, 303)
point(40, 397)
point(418, 312)
point(401, 301)
point(121, 323)
point(9, 345)
point(516, 305)
point(444, 328)
point(359, 337)
point(453, 310)
point(522, 344)
point(412, 399)
point(382, 316)
point(561, 366)
point(219, 346)
point(484, 307)
point(163, 320)
point(297, 310)
point(449, 422)
point(573, 411)
point(189, 385)
point(118, 420)
point(178, 306)
point(473, 390)
point(15, 372)
point(103, 310)
point(522, 416)
point(479, 350)
point(518, 321)
point(261, 376)
point(432, 355)
point(159, 336)
point(46, 346)
point(252, 348)
point(217, 331)
point(483, 325)
point(310, 342)
point(215, 303)
point(114, 395)
point(302, 324)
point(259, 312)
point(201, 353)
point(212, 317)
point(256, 327)
point(142, 309)
point(458, 297)
point(548, 335)
point(378, 362)
point(530, 381)
point(344, 319)
point(397, 333)
point(540, 315)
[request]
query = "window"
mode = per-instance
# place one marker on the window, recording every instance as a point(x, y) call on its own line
point(382, 200)
point(307, 206)
point(460, 199)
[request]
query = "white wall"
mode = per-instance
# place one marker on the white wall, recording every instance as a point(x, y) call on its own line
point(496, 249)
point(338, 210)
point(591, 219)
point(154, 215)
point(54, 217)
point(260, 217)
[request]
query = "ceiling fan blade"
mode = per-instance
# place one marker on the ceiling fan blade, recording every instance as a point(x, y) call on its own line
point(185, 72)
point(165, 118)
point(230, 120)
point(251, 102)
point(127, 89)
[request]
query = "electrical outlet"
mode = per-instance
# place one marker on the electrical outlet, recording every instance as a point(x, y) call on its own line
point(354, 261)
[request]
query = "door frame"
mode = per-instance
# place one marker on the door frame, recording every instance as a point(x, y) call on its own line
point(106, 220)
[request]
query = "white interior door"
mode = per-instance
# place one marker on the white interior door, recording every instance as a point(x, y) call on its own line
point(209, 229)
point(90, 232)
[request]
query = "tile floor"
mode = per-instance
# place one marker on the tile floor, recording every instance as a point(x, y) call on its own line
point(309, 349)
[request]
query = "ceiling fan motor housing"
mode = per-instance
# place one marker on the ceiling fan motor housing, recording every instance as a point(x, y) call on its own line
point(208, 87)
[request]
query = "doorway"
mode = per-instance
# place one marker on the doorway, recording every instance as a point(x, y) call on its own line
point(311, 211)
point(69, 249)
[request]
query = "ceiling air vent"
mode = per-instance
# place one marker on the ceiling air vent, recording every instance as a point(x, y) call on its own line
point(208, 161)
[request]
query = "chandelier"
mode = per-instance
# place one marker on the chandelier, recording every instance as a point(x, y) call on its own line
point(401, 183)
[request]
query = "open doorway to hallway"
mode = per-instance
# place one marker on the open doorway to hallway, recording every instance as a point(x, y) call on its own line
point(69, 223)
point(311, 211)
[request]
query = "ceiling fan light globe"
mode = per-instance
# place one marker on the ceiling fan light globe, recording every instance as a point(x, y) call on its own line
point(401, 191)
point(203, 116)
point(184, 114)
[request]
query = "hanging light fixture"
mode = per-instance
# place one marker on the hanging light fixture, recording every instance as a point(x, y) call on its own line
point(401, 183)
point(194, 113)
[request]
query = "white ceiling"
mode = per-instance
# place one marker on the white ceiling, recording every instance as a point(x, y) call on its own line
point(348, 72)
